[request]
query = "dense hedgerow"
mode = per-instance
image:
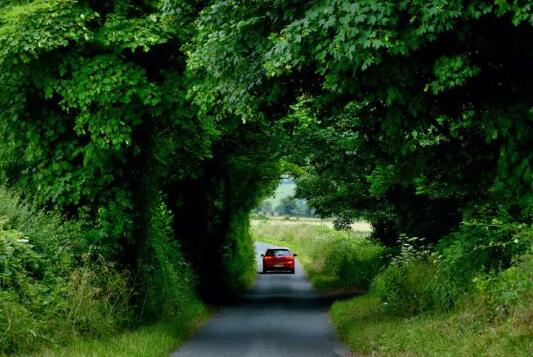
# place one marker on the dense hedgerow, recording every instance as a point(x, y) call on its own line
point(55, 286)
point(97, 122)
point(168, 283)
point(239, 254)
point(448, 302)
point(489, 260)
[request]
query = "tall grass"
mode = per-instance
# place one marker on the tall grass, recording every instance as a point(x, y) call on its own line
point(473, 295)
point(53, 287)
point(496, 320)
point(56, 290)
point(154, 340)
point(470, 296)
point(239, 255)
point(332, 259)
point(368, 328)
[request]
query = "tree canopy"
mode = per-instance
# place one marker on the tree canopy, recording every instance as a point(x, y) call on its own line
point(414, 115)
point(98, 121)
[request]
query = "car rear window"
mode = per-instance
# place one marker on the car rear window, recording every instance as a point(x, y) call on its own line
point(278, 252)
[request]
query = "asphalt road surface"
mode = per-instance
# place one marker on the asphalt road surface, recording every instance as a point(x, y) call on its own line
point(280, 316)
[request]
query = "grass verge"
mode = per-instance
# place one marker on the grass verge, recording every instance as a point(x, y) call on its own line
point(332, 259)
point(154, 340)
point(61, 297)
point(493, 318)
point(367, 328)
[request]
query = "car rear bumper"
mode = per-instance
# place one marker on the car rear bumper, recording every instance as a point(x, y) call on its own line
point(287, 266)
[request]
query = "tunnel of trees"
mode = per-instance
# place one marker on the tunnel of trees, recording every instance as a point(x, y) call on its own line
point(161, 123)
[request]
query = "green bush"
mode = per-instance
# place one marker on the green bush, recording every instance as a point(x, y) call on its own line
point(511, 290)
point(239, 254)
point(404, 285)
point(473, 251)
point(353, 260)
point(481, 261)
point(168, 283)
point(55, 286)
point(48, 293)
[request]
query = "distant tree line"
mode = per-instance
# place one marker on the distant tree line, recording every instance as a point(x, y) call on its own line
point(288, 206)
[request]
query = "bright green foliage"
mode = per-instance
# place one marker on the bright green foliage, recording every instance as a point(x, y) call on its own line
point(408, 307)
point(475, 259)
point(451, 72)
point(510, 290)
point(31, 29)
point(155, 340)
point(472, 252)
point(332, 259)
point(471, 331)
point(98, 121)
point(51, 292)
point(78, 110)
point(167, 280)
point(120, 32)
point(239, 254)
point(56, 288)
point(161, 124)
point(403, 286)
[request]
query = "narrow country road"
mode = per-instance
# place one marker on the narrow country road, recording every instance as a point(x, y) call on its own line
point(280, 316)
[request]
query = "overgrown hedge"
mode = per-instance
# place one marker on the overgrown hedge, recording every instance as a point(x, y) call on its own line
point(483, 264)
point(55, 286)
point(98, 123)
point(491, 262)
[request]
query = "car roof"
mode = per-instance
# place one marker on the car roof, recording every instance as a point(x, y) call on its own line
point(278, 248)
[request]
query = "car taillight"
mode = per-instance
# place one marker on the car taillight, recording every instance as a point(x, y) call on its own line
point(268, 257)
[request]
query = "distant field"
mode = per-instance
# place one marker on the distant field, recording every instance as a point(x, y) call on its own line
point(332, 259)
point(357, 226)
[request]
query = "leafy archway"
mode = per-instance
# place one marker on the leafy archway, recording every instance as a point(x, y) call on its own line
point(162, 123)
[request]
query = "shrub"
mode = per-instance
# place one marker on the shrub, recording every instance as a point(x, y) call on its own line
point(404, 285)
point(511, 290)
point(48, 293)
point(472, 252)
point(353, 260)
point(239, 254)
point(482, 261)
point(167, 281)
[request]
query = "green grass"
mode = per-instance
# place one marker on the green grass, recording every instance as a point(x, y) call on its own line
point(367, 328)
point(58, 298)
point(475, 328)
point(331, 259)
point(154, 340)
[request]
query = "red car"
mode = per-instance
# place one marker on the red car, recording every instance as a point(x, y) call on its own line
point(278, 258)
